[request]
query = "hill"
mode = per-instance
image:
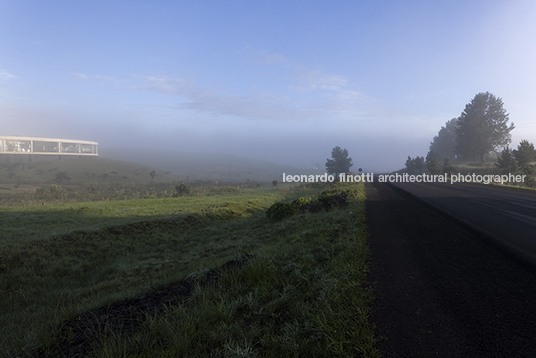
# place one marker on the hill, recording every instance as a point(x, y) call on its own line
point(80, 171)
point(208, 166)
point(136, 166)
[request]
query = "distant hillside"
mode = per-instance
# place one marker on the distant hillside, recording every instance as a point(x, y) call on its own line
point(135, 166)
point(79, 171)
point(214, 166)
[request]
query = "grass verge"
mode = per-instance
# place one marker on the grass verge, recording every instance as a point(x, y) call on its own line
point(303, 295)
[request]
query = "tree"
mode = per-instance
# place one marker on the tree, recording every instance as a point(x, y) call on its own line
point(506, 162)
point(415, 165)
point(444, 143)
point(410, 165)
point(182, 189)
point(419, 164)
point(340, 162)
point(529, 172)
point(62, 177)
point(448, 167)
point(524, 154)
point(482, 127)
point(432, 163)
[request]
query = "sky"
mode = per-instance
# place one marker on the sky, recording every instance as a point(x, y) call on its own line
point(284, 81)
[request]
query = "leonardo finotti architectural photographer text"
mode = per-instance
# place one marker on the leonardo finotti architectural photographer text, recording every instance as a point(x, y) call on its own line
point(405, 178)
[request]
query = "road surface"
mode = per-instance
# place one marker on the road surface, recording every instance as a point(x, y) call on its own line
point(506, 214)
point(443, 287)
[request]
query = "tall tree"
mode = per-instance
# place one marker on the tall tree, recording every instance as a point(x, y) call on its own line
point(482, 127)
point(448, 167)
point(506, 162)
point(340, 162)
point(444, 143)
point(433, 163)
point(410, 165)
point(419, 164)
point(415, 165)
point(525, 153)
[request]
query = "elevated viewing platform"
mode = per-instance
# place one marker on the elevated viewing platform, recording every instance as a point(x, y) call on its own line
point(34, 146)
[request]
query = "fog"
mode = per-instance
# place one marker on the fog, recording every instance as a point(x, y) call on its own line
point(282, 83)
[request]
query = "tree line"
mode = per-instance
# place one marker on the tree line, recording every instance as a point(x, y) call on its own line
point(482, 129)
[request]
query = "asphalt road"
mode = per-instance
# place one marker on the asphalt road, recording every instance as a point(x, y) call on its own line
point(444, 288)
point(507, 215)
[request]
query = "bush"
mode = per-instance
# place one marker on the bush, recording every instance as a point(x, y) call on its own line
point(53, 192)
point(529, 172)
point(326, 201)
point(301, 204)
point(182, 189)
point(279, 211)
point(62, 177)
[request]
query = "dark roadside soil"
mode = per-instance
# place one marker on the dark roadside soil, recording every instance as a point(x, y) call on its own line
point(442, 290)
point(77, 338)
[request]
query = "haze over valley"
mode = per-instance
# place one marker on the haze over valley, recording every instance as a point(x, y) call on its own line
point(283, 82)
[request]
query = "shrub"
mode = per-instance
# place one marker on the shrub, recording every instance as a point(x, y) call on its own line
point(529, 171)
point(62, 177)
point(302, 204)
point(326, 201)
point(53, 192)
point(182, 189)
point(279, 211)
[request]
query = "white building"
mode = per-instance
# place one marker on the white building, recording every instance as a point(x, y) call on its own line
point(29, 147)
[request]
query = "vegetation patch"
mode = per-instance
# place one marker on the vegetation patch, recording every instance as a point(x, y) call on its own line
point(481, 133)
point(297, 292)
point(331, 198)
point(303, 294)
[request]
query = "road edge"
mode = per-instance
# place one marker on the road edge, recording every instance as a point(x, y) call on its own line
point(522, 257)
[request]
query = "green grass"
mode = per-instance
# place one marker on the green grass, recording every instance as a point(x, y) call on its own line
point(80, 171)
point(304, 295)
point(167, 166)
point(39, 221)
point(464, 167)
point(304, 292)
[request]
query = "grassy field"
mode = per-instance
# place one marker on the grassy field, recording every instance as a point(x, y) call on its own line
point(208, 166)
point(164, 166)
point(98, 178)
point(80, 171)
point(303, 293)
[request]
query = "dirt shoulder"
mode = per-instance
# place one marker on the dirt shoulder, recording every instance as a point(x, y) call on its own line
point(442, 290)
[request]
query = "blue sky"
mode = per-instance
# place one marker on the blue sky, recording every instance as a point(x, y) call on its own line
point(284, 81)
